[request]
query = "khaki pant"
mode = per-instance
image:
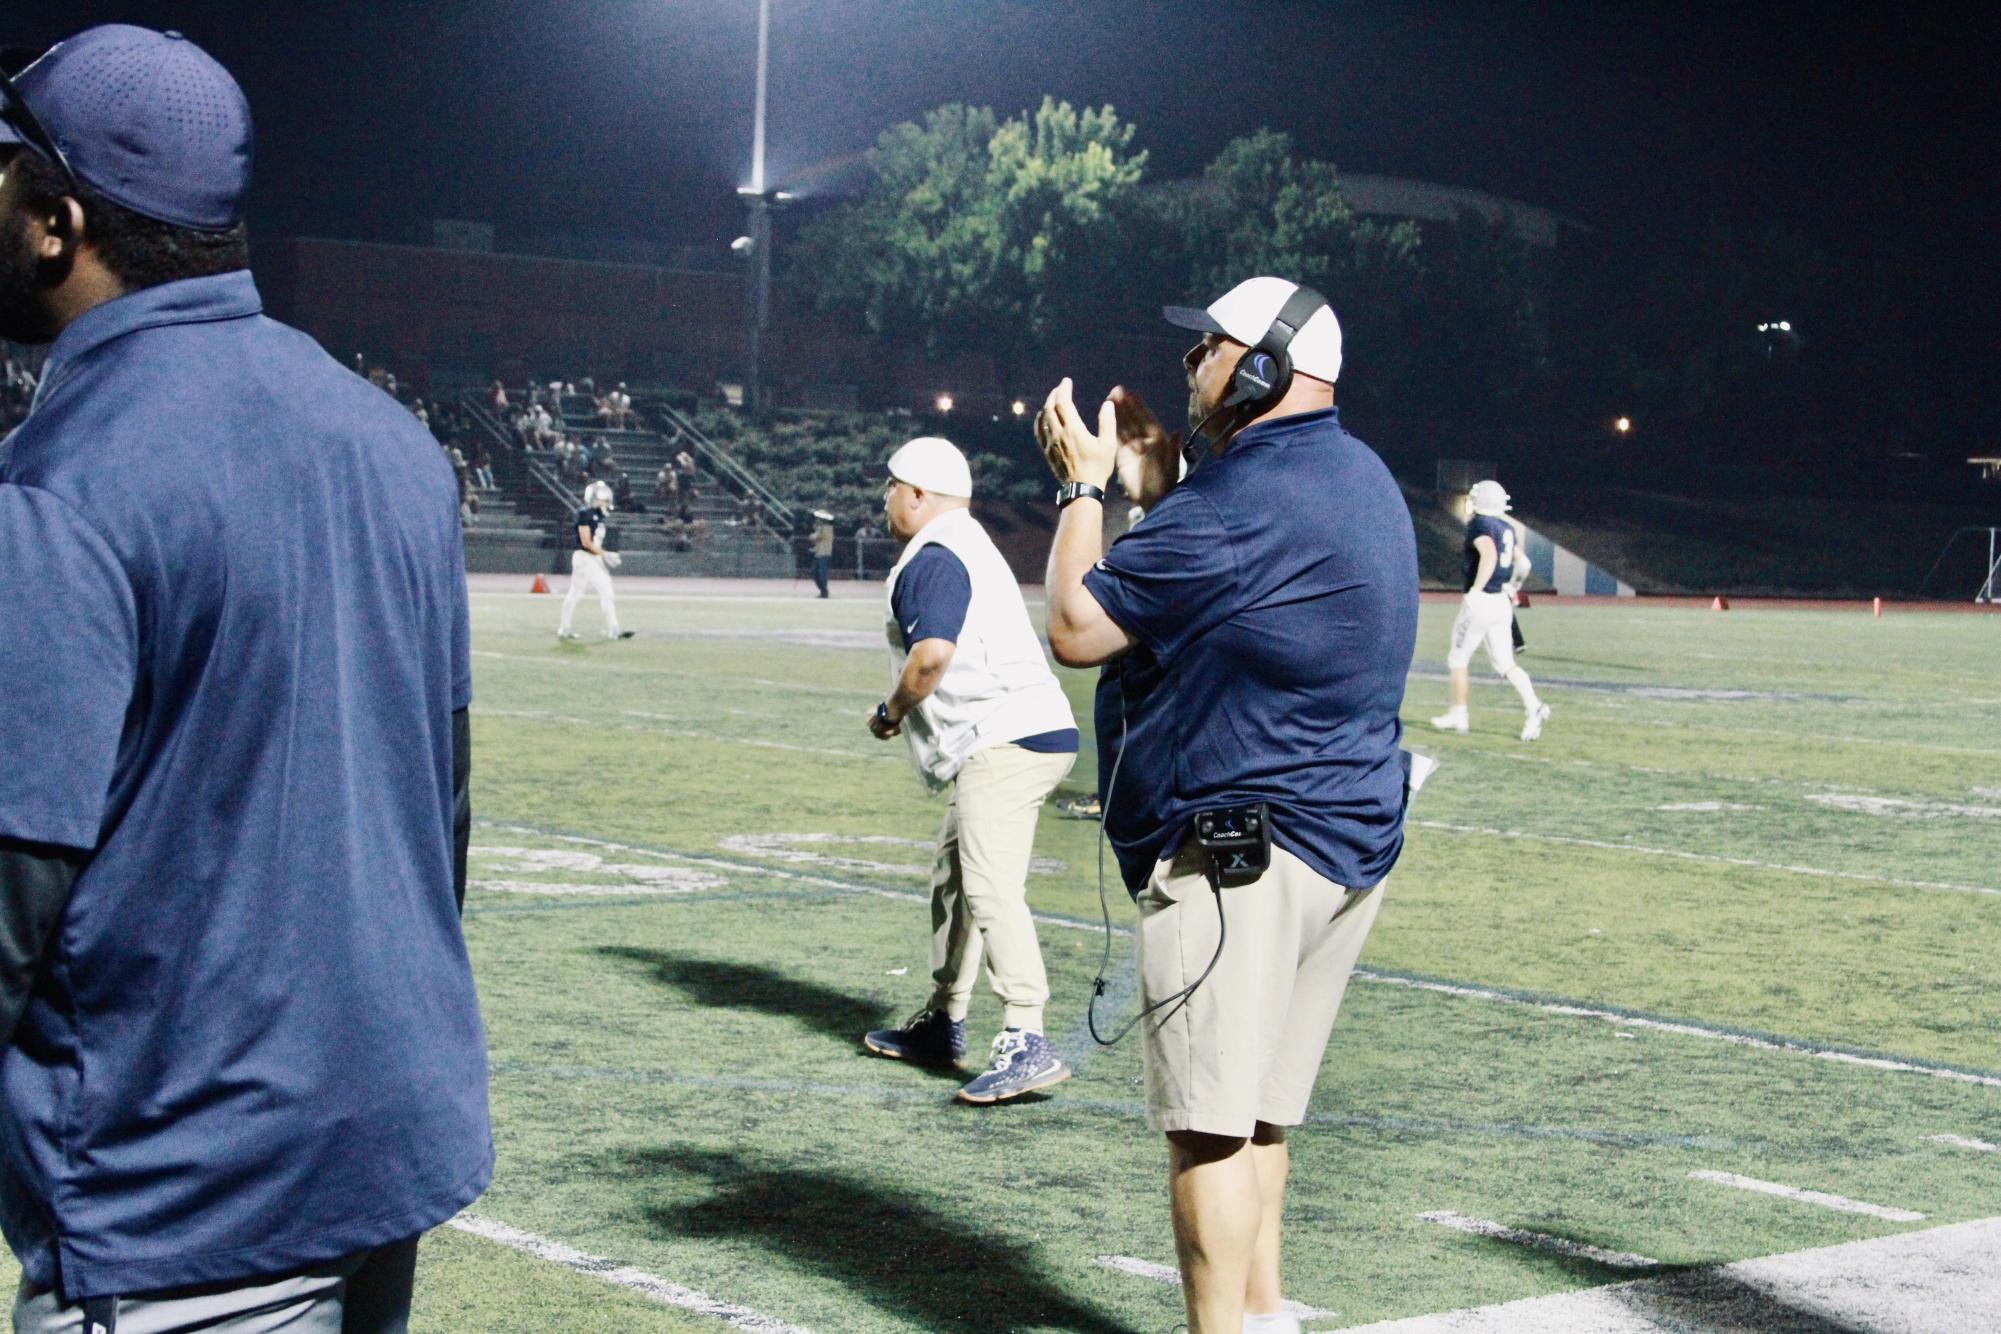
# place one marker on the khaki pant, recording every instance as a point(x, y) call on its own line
point(979, 884)
point(364, 1293)
point(1247, 1046)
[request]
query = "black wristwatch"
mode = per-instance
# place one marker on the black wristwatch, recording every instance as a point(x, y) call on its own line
point(1070, 491)
point(882, 714)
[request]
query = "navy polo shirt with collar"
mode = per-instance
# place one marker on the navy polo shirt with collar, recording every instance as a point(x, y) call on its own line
point(1272, 596)
point(233, 632)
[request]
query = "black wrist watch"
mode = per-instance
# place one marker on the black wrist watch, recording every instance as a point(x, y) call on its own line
point(882, 714)
point(1070, 491)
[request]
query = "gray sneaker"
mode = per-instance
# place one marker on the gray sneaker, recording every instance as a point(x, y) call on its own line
point(1022, 1062)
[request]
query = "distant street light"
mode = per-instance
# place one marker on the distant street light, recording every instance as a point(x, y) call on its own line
point(943, 403)
point(1019, 408)
point(1623, 425)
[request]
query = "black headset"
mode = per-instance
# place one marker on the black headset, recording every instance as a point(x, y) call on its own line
point(1264, 373)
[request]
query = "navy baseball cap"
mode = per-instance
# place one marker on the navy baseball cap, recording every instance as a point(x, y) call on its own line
point(147, 119)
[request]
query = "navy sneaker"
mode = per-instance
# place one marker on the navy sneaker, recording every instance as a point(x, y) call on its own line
point(929, 1037)
point(1022, 1062)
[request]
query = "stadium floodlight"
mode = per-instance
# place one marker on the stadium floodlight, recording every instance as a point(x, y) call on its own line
point(1623, 425)
point(943, 402)
point(1019, 408)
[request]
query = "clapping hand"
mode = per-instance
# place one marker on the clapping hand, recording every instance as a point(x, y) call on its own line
point(1074, 451)
point(1149, 460)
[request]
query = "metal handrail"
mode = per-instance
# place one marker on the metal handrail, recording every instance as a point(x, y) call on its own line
point(722, 462)
point(541, 472)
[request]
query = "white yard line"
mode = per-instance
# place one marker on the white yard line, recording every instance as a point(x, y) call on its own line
point(1962, 1142)
point(1679, 854)
point(650, 1286)
point(688, 734)
point(1936, 1280)
point(1684, 1029)
point(1540, 1241)
point(824, 882)
point(1838, 1203)
point(1168, 1276)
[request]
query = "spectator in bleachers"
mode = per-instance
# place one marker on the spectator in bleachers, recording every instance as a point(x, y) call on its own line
point(622, 495)
point(496, 398)
point(667, 487)
point(605, 461)
point(585, 458)
point(746, 510)
point(684, 473)
point(482, 466)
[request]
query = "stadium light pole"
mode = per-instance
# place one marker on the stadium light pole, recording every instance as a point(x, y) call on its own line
point(758, 202)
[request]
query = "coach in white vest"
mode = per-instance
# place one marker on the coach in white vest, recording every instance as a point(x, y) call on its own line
point(986, 720)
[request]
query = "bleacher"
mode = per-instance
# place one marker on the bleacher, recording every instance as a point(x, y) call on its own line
point(524, 523)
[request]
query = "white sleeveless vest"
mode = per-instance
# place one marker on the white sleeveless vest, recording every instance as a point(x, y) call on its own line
point(998, 686)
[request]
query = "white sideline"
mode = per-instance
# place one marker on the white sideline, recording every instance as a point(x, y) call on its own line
point(1931, 1282)
point(650, 1286)
point(1838, 1203)
point(1821, 872)
point(1962, 1142)
point(1539, 1241)
point(1168, 1276)
point(1685, 1030)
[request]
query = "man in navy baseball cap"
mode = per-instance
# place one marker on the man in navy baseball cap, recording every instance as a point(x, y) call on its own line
point(233, 633)
point(132, 148)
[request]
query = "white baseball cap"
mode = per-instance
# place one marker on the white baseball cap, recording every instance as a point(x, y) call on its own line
point(1489, 497)
point(933, 463)
point(1245, 313)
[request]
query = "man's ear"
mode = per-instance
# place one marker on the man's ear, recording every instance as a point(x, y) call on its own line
point(62, 226)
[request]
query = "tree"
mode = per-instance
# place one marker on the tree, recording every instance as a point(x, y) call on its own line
point(975, 233)
point(1446, 336)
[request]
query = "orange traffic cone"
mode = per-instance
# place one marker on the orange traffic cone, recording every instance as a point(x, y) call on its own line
point(1877, 607)
point(1719, 603)
point(540, 585)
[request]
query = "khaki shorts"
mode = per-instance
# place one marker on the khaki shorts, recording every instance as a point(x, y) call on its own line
point(1247, 1046)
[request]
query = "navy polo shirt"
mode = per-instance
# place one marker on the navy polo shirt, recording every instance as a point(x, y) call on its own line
point(1273, 598)
point(233, 633)
point(931, 598)
point(1502, 534)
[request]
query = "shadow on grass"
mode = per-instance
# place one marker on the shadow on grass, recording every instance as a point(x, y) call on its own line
point(1679, 1296)
point(889, 1248)
point(724, 984)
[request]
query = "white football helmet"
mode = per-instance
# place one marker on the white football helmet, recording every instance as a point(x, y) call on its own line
point(1488, 497)
point(598, 495)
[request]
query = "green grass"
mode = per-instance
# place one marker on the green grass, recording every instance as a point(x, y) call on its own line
point(679, 1085)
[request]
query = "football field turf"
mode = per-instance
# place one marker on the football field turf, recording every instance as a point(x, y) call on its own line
point(1733, 918)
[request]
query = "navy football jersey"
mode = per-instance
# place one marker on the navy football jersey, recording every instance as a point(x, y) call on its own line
point(593, 519)
point(1502, 533)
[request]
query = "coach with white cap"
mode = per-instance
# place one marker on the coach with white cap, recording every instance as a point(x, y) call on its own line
point(241, 1060)
point(987, 720)
point(1255, 629)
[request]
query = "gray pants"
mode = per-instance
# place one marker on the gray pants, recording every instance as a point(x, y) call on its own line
point(364, 1293)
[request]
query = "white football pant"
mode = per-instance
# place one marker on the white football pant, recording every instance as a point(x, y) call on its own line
point(587, 572)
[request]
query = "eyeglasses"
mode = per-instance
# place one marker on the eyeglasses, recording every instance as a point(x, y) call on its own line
point(17, 114)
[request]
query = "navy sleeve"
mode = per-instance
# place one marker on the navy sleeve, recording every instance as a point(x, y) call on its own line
point(69, 658)
point(932, 595)
point(586, 519)
point(1172, 578)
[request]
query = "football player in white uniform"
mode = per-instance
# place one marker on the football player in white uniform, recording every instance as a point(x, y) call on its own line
point(1486, 613)
point(591, 565)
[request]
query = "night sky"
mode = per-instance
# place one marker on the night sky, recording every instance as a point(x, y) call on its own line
point(1872, 128)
